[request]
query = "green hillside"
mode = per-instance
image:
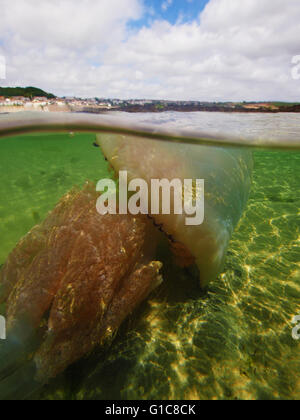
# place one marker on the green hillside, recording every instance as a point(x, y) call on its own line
point(28, 92)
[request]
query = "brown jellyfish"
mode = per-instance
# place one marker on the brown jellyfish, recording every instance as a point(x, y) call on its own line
point(77, 276)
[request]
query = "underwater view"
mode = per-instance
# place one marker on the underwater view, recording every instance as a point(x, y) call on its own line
point(123, 307)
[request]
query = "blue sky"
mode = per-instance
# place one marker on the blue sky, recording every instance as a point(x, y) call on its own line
point(171, 10)
point(154, 49)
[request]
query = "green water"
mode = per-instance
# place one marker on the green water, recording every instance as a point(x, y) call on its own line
point(232, 341)
point(36, 170)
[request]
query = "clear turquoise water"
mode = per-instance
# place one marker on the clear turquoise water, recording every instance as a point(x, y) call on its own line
point(232, 341)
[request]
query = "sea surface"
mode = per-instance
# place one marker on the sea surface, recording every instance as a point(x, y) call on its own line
point(232, 341)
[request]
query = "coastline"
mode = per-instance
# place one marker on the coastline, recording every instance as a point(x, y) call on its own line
point(143, 109)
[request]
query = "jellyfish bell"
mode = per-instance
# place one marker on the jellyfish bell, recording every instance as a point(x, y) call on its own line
point(227, 175)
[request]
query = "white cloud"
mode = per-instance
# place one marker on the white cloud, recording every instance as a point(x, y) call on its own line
point(166, 4)
point(64, 23)
point(233, 51)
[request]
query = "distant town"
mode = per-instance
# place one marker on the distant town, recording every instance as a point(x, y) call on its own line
point(34, 99)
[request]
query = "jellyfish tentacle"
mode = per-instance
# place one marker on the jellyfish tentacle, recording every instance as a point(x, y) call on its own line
point(65, 346)
point(87, 275)
point(19, 259)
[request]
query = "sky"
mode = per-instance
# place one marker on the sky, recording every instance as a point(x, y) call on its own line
point(172, 11)
point(204, 50)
